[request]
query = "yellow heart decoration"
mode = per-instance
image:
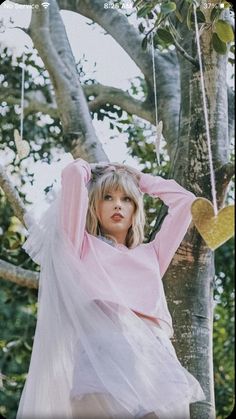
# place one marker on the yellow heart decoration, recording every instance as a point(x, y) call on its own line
point(214, 229)
point(22, 146)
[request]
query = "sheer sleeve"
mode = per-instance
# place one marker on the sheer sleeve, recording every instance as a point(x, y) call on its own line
point(74, 201)
point(176, 222)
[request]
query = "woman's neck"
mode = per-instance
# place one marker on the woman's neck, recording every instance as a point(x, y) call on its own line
point(118, 239)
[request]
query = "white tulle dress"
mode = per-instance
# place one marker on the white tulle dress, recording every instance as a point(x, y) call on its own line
point(93, 357)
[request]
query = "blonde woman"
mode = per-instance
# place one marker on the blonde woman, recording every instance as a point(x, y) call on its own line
point(102, 345)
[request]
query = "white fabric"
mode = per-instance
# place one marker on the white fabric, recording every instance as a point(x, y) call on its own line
point(82, 344)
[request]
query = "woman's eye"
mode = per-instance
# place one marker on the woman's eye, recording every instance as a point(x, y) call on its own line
point(127, 199)
point(107, 197)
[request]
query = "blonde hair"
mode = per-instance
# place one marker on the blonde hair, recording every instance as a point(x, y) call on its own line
point(104, 180)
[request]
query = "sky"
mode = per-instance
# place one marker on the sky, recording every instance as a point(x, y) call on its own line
point(113, 67)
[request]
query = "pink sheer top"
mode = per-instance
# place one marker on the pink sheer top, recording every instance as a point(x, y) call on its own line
point(135, 272)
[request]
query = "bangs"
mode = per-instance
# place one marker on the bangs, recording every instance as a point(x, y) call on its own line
point(119, 181)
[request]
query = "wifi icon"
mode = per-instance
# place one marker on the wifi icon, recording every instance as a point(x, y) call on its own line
point(45, 5)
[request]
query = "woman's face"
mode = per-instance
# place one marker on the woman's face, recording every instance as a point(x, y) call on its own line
point(115, 212)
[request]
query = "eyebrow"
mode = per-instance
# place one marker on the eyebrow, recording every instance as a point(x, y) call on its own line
point(109, 192)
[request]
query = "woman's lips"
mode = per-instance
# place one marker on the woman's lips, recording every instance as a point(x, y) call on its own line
point(117, 217)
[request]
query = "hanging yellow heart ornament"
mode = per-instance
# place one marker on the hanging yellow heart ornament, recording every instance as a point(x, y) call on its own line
point(214, 229)
point(22, 146)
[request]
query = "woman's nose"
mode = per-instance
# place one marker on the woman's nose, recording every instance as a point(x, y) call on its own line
point(118, 205)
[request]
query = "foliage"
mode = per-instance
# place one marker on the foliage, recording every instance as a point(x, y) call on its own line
point(18, 309)
point(164, 17)
point(224, 335)
point(46, 132)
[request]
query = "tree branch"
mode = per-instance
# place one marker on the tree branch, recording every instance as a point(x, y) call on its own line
point(34, 102)
point(49, 36)
point(113, 96)
point(225, 173)
point(117, 25)
point(103, 95)
point(186, 55)
point(167, 67)
point(18, 275)
point(12, 195)
point(128, 37)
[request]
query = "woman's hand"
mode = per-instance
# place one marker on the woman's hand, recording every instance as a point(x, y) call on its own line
point(101, 164)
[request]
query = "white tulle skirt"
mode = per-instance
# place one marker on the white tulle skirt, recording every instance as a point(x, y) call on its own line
point(89, 395)
point(94, 359)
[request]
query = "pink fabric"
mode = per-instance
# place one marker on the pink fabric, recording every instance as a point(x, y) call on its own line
point(136, 272)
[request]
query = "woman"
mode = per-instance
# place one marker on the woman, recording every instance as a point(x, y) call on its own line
point(102, 347)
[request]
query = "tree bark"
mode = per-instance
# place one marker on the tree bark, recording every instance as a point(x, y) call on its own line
point(189, 280)
point(18, 275)
point(167, 70)
point(102, 95)
point(48, 34)
point(12, 195)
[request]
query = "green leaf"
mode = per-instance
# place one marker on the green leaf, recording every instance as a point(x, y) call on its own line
point(144, 43)
point(215, 13)
point(200, 16)
point(165, 36)
point(143, 11)
point(224, 31)
point(190, 20)
point(137, 3)
point(27, 346)
point(179, 16)
point(119, 112)
point(167, 8)
point(141, 28)
point(219, 46)
point(227, 5)
point(150, 15)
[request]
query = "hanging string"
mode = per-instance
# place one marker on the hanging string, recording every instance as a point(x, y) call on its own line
point(213, 187)
point(22, 95)
point(22, 146)
point(158, 126)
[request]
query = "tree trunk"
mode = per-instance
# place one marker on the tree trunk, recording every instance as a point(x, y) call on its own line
point(49, 36)
point(189, 281)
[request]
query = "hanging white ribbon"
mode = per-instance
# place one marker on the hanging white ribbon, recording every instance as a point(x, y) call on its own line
point(212, 175)
point(159, 125)
point(22, 146)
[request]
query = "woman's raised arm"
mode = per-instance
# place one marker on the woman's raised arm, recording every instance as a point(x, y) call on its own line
point(176, 222)
point(74, 201)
